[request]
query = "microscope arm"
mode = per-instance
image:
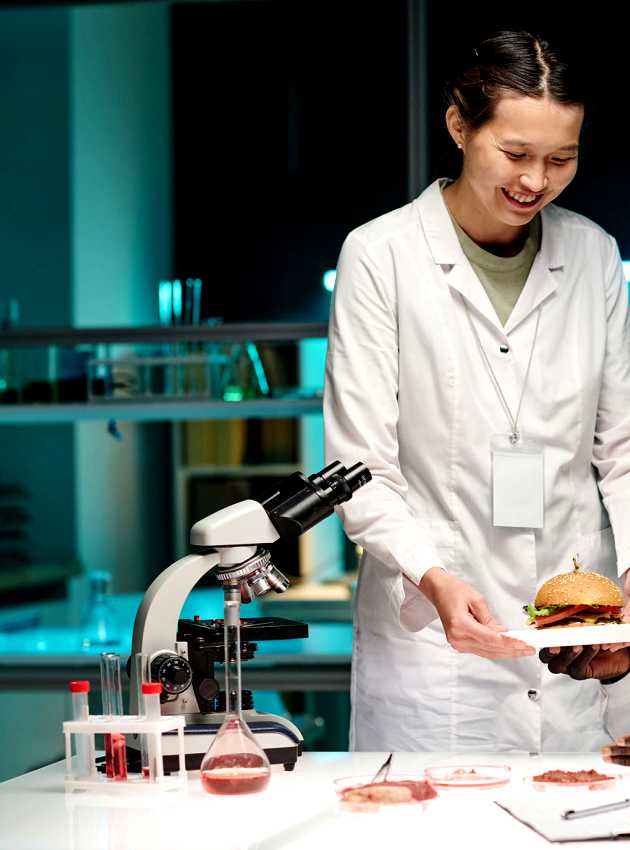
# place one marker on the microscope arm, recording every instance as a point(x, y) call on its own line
point(155, 625)
point(229, 536)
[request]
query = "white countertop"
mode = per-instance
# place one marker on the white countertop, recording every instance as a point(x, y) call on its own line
point(296, 810)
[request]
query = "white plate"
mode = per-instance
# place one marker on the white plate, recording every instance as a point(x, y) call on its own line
point(572, 635)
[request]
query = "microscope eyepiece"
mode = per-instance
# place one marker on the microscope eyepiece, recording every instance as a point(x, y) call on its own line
point(300, 502)
point(343, 482)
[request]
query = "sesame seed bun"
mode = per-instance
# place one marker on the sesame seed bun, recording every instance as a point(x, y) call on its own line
point(579, 588)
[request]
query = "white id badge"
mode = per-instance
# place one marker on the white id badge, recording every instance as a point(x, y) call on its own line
point(517, 483)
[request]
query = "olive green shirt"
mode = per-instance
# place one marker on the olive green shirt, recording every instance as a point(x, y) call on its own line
point(503, 278)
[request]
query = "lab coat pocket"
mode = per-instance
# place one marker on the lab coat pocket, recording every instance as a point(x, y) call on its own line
point(414, 609)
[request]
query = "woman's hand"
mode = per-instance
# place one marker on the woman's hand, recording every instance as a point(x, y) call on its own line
point(588, 662)
point(618, 752)
point(467, 621)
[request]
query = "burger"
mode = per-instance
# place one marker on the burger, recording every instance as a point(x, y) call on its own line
point(576, 599)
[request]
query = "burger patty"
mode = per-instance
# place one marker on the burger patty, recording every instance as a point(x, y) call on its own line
point(580, 615)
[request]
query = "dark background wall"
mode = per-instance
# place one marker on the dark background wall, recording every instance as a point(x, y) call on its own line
point(593, 35)
point(290, 129)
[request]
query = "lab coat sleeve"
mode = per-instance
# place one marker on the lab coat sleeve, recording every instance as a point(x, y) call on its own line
point(617, 702)
point(611, 448)
point(360, 424)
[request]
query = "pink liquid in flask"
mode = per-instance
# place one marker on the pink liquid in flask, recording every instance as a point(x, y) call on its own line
point(241, 773)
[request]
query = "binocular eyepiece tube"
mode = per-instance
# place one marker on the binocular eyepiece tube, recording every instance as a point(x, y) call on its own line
point(301, 502)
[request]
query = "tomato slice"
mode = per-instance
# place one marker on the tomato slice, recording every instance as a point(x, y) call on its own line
point(572, 610)
point(561, 615)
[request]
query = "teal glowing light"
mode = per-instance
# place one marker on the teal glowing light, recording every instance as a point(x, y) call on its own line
point(233, 393)
point(259, 370)
point(626, 271)
point(165, 302)
point(329, 279)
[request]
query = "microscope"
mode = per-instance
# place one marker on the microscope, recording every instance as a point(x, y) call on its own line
point(181, 653)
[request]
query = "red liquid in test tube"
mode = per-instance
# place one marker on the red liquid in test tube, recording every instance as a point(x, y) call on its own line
point(115, 746)
point(115, 756)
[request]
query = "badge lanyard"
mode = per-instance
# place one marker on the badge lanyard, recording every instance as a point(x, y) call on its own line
point(512, 420)
point(517, 464)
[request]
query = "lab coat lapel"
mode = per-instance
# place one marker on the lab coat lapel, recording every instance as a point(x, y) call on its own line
point(447, 253)
point(545, 273)
point(458, 273)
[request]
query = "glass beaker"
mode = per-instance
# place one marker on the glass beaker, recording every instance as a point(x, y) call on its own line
point(234, 763)
point(99, 625)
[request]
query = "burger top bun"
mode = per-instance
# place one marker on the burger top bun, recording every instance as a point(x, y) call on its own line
point(578, 588)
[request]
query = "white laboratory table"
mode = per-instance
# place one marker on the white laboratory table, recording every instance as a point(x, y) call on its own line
point(296, 810)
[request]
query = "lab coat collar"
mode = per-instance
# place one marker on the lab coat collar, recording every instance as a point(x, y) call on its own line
point(459, 274)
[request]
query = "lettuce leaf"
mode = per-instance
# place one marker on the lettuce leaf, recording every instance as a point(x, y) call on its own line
point(534, 612)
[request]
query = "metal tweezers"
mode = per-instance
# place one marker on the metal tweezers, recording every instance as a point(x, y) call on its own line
point(570, 814)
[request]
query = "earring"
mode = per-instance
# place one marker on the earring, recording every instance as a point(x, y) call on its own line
point(459, 147)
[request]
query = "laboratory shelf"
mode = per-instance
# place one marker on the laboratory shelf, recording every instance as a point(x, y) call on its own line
point(229, 332)
point(157, 411)
point(174, 351)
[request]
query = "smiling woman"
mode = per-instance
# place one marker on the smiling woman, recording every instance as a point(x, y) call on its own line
point(479, 364)
point(516, 115)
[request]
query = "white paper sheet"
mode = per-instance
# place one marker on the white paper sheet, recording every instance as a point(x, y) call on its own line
point(542, 811)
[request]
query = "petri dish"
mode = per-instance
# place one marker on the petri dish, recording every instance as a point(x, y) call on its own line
point(468, 775)
point(398, 792)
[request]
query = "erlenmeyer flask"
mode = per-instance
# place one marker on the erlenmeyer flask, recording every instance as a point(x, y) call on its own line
point(234, 763)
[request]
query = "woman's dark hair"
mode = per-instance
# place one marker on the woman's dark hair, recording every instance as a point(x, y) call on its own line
point(510, 61)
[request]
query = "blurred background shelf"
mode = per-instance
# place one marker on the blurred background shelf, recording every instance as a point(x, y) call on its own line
point(156, 411)
point(31, 582)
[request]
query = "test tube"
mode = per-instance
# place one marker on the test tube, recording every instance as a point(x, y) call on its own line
point(84, 742)
point(140, 661)
point(151, 698)
point(115, 747)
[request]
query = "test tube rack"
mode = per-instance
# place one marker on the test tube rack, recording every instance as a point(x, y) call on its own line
point(130, 724)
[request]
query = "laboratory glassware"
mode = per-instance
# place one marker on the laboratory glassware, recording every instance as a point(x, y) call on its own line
point(234, 763)
point(84, 743)
point(99, 625)
point(115, 746)
point(151, 700)
point(142, 676)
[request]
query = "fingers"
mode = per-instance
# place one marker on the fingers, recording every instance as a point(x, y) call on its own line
point(559, 659)
point(614, 647)
point(581, 667)
point(574, 661)
point(480, 611)
point(616, 755)
point(468, 635)
point(468, 623)
point(585, 662)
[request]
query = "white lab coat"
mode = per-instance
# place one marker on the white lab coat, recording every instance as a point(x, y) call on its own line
point(407, 393)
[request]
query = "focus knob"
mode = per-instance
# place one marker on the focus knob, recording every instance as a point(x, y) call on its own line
point(172, 671)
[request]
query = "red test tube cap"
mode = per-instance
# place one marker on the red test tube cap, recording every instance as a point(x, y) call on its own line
point(151, 688)
point(79, 687)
